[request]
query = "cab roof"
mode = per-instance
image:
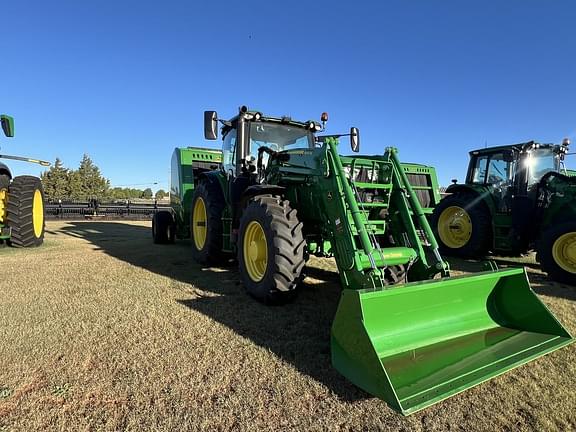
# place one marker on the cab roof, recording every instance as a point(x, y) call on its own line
point(282, 120)
point(515, 147)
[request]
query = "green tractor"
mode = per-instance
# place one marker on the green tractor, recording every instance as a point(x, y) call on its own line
point(22, 211)
point(516, 198)
point(404, 331)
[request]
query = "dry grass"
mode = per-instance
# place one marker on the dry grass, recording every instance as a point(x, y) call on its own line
point(102, 330)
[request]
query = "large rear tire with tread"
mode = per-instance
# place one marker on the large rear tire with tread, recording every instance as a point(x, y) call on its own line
point(206, 223)
point(163, 228)
point(556, 252)
point(25, 213)
point(462, 225)
point(270, 249)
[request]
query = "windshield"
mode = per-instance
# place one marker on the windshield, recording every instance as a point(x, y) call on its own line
point(540, 162)
point(278, 137)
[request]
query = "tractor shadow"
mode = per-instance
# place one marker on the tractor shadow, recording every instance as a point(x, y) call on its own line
point(297, 332)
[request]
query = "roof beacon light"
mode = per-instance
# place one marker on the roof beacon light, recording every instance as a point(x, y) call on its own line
point(324, 119)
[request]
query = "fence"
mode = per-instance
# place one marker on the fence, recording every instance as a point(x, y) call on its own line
point(102, 210)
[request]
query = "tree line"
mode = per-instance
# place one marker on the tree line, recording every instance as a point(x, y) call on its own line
point(86, 183)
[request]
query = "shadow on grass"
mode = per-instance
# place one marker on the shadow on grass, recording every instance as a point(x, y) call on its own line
point(298, 333)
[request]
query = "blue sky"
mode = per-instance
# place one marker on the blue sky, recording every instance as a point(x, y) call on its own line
point(127, 81)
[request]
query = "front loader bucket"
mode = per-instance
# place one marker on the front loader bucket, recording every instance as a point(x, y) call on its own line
point(416, 344)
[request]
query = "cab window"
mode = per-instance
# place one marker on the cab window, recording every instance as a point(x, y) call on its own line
point(479, 172)
point(495, 169)
point(228, 147)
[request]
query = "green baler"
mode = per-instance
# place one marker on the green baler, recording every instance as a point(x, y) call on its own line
point(404, 330)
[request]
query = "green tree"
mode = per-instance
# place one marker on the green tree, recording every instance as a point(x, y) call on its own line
point(160, 194)
point(147, 193)
point(56, 181)
point(87, 182)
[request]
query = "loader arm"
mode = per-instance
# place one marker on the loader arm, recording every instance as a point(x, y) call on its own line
point(357, 230)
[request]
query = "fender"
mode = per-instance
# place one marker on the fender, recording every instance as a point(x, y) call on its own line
point(480, 191)
point(4, 170)
point(262, 189)
point(251, 192)
point(212, 177)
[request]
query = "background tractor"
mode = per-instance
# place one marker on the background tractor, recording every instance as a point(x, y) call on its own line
point(282, 193)
point(515, 198)
point(21, 201)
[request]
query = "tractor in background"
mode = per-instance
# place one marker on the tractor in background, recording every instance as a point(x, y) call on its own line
point(405, 330)
point(516, 198)
point(22, 211)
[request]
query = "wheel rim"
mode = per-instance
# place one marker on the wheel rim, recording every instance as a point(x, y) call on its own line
point(199, 224)
point(3, 200)
point(564, 252)
point(255, 251)
point(455, 227)
point(38, 213)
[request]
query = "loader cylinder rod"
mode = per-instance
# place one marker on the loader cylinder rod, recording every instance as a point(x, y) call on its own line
point(24, 159)
point(415, 204)
point(352, 204)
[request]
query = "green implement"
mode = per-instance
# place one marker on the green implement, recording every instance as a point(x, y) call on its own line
point(423, 342)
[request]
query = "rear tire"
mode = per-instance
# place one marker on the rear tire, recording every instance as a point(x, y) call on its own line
point(460, 228)
point(270, 249)
point(206, 223)
point(25, 212)
point(163, 228)
point(556, 252)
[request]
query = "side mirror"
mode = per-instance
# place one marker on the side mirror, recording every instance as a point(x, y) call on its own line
point(7, 125)
point(210, 125)
point(355, 139)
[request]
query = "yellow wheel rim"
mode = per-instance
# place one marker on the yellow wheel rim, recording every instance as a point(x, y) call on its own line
point(38, 213)
point(3, 200)
point(199, 224)
point(454, 227)
point(564, 252)
point(255, 251)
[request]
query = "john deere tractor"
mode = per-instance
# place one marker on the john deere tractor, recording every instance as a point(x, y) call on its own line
point(21, 201)
point(404, 330)
point(515, 198)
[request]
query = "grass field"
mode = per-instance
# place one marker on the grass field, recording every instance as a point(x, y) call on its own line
point(102, 330)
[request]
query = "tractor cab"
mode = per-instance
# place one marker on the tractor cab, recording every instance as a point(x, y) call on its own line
point(252, 143)
point(514, 170)
point(250, 140)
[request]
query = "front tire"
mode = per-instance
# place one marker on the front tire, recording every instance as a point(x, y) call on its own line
point(270, 249)
point(557, 252)
point(462, 228)
point(25, 213)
